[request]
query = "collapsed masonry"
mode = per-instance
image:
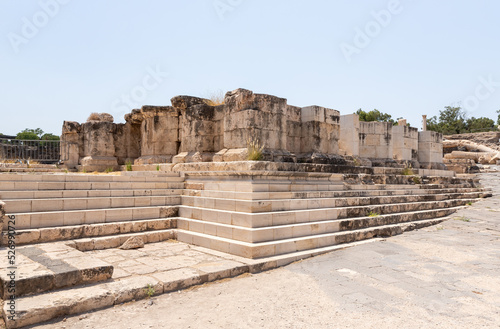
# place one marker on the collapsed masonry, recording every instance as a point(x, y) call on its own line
point(192, 131)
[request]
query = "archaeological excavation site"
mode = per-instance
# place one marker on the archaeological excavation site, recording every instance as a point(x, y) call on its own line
point(195, 192)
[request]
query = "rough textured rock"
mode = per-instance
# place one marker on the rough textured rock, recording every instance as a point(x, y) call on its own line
point(133, 243)
point(101, 117)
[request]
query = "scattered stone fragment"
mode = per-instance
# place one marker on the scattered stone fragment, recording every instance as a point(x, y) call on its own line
point(133, 243)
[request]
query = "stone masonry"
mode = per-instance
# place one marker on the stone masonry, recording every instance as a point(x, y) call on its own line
point(191, 130)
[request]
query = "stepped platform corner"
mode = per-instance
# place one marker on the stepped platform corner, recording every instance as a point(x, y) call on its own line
point(181, 204)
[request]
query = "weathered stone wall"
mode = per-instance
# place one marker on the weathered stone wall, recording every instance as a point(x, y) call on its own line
point(71, 143)
point(159, 134)
point(192, 130)
point(430, 150)
point(375, 140)
point(320, 130)
point(349, 134)
point(250, 116)
point(405, 143)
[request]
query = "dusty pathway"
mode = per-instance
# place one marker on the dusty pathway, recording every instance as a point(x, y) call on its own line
point(445, 276)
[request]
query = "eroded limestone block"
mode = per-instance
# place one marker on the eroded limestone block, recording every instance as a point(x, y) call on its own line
point(71, 143)
point(349, 134)
point(405, 143)
point(375, 140)
point(320, 130)
point(159, 134)
point(183, 102)
point(134, 242)
point(250, 116)
point(98, 144)
point(430, 150)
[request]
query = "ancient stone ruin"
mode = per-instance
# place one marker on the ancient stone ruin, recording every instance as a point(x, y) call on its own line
point(321, 181)
point(192, 131)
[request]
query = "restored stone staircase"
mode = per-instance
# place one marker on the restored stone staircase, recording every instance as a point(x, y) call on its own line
point(274, 217)
point(264, 214)
point(100, 211)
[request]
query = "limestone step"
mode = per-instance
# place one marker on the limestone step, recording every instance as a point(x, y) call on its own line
point(324, 194)
point(61, 233)
point(280, 232)
point(51, 186)
point(264, 219)
point(13, 206)
point(35, 220)
point(268, 249)
point(314, 203)
point(47, 267)
point(8, 195)
point(123, 177)
point(43, 307)
point(115, 241)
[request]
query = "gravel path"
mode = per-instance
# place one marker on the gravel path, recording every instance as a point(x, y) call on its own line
point(445, 276)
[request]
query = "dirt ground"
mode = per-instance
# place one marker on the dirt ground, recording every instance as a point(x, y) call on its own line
point(445, 276)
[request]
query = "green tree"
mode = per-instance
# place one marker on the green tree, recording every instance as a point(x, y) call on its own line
point(50, 137)
point(374, 115)
point(32, 134)
point(498, 120)
point(480, 124)
point(453, 120)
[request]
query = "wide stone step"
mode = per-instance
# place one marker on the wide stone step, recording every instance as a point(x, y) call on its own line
point(48, 267)
point(78, 217)
point(50, 234)
point(51, 186)
point(8, 195)
point(314, 203)
point(275, 233)
point(323, 194)
point(268, 249)
point(255, 220)
point(123, 177)
point(64, 204)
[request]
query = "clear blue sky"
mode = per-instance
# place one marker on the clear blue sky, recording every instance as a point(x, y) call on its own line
point(85, 55)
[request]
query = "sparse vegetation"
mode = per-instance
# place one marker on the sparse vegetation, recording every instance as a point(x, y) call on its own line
point(356, 161)
point(417, 180)
point(408, 170)
point(128, 165)
point(215, 98)
point(373, 214)
point(462, 218)
point(157, 167)
point(469, 203)
point(108, 170)
point(150, 290)
point(254, 150)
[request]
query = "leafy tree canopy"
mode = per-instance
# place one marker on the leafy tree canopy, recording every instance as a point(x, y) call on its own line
point(50, 137)
point(374, 115)
point(36, 134)
point(453, 120)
